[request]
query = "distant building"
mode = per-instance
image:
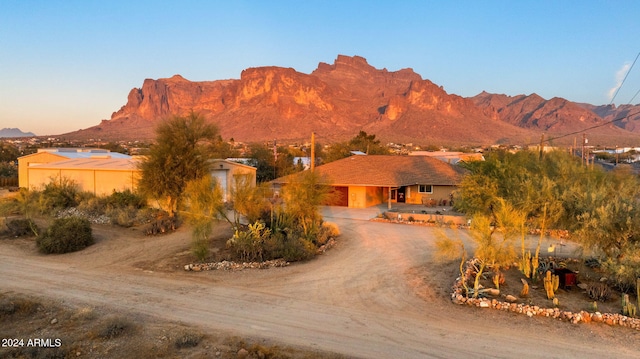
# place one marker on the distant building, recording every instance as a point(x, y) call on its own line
point(226, 172)
point(49, 155)
point(100, 176)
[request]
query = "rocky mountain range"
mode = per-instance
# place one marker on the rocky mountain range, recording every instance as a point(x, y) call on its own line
point(338, 100)
point(14, 132)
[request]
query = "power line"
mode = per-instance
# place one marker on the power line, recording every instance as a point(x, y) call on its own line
point(625, 79)
point(634, 96)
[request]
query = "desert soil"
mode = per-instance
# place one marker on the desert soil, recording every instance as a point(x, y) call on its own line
point(380, 293)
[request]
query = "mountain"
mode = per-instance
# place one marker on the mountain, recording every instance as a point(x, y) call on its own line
point(624, 116)
point(15, 132)
point(557, 117)
point(338, 100)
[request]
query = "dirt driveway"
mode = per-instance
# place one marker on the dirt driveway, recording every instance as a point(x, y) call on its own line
point(378, 294)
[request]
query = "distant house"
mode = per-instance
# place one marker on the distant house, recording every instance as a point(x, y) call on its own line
point(100, 176)
point(49, 155)
point(365, 181)
point(227, 172)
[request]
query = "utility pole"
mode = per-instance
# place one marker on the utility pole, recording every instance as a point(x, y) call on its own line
point(313, 151)
point(584, 139)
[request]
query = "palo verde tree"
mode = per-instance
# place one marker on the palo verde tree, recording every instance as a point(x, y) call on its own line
point(203, 205)
point(180, 154)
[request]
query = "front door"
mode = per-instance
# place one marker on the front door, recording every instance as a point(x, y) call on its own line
point(401, 194)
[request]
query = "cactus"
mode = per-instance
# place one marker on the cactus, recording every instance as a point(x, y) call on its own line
point(628, 308)
point(525, 288)
point(525, 264)
point(594, 306)
point(551, 283)
point(556, 302)
point(535, 264)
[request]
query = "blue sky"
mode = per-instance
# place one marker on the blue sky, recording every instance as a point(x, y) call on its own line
point(66, 65)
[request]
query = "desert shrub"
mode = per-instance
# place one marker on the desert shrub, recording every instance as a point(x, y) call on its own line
point(93, 205)
point(200, 248)
point(59, 193)
point(289, 247)
point(327, 231)
point(161, 225)
point(22, 227)
point(187, 339)
point(112, 327)
point(249, 244)
point(66, 235)
point(598, 291)
point(123, 216)
point(125, 199)
point(17, 306)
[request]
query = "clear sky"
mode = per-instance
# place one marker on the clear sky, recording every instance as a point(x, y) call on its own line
point(66, 65)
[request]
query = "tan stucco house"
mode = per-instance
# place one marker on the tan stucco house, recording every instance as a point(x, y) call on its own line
point(369, 180)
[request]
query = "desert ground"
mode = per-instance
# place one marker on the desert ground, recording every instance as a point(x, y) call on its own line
point(379, 293)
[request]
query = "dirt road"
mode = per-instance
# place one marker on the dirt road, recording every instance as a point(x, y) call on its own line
point(378, 294)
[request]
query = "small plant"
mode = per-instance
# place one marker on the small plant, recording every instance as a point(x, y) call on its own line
point(66, 235)
point(594, 306)
point(556, 302)
point(598, 291)
point(113, 327)
point(187, 339)
point(22, 227)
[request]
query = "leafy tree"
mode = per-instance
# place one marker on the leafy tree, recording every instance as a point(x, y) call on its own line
point(180, 155)
point(267, 166)
point(361, 142)
point(8, 152)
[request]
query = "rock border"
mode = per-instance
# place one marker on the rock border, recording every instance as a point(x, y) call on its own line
point(612, 319)
point(235, 266)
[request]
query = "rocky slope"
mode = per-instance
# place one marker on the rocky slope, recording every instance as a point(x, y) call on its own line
point(338, 100)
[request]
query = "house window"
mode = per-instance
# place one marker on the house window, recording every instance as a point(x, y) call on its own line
point(425, 188)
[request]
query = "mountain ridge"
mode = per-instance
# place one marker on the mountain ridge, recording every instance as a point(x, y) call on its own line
point(338, 100)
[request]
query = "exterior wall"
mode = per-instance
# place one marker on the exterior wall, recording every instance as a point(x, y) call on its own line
point(362, 197)
point(98, 182)
point(25, 161)
point(440, 193)
point(226, 171)
point(374, 196)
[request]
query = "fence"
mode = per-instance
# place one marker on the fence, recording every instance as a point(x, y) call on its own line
point(8, 181)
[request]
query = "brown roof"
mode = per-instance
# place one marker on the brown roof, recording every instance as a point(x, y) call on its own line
point(388, 171)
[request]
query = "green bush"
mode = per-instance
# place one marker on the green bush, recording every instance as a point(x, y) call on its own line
point(65, 235)
point(59, 194)
point(125, 199)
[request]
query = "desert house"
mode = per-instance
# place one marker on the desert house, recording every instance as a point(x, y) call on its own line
point(50, 155)
point(369, 180)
